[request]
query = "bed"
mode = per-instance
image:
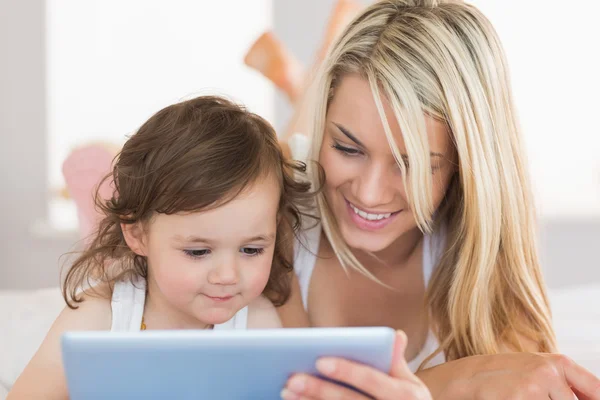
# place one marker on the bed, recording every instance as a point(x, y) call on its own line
point(26, 316)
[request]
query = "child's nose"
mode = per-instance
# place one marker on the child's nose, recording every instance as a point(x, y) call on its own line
point(226, 273)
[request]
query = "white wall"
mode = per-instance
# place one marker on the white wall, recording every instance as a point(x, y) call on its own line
point(25, 261)
point(554, 59)
point(112, 64)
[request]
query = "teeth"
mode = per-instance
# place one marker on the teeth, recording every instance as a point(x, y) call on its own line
point(370, 217)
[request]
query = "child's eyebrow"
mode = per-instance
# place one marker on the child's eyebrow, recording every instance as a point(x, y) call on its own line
point(261, 238)
point(269, 237)
point(190, 239)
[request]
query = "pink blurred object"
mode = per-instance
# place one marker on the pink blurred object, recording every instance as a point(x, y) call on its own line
point(83, 170)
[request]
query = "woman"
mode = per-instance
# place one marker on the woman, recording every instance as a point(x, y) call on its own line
point(427, 219)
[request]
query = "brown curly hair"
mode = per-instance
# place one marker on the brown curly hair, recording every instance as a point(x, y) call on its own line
point(190, 156)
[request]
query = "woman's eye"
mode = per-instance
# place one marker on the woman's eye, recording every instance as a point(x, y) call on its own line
point(346, 150)
point(197, 253)
point(252, 251)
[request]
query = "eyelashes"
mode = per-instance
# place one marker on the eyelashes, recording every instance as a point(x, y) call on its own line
point(349, 151)
point(253, 251)
point(352, 152)
point(196, 253)
point(201, 253)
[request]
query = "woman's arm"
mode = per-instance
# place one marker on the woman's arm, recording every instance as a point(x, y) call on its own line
point(512, 375)
point(44, 377)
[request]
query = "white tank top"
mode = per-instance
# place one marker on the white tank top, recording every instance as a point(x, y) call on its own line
point(306, 248)
point(128, 301)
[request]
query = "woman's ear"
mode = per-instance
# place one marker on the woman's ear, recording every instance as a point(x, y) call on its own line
point(135, 237)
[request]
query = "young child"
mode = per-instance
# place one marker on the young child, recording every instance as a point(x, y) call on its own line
point(193, 236)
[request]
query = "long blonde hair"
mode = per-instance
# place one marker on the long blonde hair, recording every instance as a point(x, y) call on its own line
point(444, 59)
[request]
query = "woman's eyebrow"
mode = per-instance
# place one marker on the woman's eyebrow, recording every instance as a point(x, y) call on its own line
point(348, 134)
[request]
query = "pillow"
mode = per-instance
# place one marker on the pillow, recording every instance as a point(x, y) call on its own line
point(26, 317)
point(577, 323)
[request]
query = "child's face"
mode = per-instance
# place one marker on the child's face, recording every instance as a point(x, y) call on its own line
point(208, 265)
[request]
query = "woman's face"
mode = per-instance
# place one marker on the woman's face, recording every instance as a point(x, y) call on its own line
point(364, 185)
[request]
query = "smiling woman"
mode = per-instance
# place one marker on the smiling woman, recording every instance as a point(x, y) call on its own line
point(365, 179)
point(428, 223)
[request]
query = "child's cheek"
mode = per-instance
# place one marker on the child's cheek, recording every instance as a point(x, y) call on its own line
point(260, 277)
point(181, 282)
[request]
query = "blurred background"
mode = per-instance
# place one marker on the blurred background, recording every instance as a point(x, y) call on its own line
point(76, 73)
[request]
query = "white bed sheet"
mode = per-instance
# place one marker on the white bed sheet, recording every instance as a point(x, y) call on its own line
point(26, 316)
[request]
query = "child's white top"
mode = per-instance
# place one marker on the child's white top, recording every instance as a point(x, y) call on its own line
point(128, 301)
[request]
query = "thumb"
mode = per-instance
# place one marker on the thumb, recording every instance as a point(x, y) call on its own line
point(399, 366)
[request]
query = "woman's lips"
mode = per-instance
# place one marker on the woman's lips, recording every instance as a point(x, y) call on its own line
point(369, 224)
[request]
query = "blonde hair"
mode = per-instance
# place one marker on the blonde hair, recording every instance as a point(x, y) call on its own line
point(444, 59)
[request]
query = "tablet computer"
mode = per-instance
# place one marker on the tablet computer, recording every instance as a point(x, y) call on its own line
point(237, 364)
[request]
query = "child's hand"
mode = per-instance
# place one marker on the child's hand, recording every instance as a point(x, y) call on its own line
point(401, 383)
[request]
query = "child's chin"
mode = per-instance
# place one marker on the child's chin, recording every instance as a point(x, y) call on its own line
point(216, 317)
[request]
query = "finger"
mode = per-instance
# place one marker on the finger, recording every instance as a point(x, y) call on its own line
point(560, 391)
point(361, 376)
point(583, 382)
point(310, 387)
point(400, 368)
point(369, 380)
point(582, 396)
point(286, 394)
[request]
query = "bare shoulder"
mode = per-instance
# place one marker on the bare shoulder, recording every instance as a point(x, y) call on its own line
point(292, 314)
point(262, 314)
point(92, 313)
point(44, 377)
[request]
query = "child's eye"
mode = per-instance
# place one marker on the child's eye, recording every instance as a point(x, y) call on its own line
point(252, 251)
point(196, 253)
point(349, 151)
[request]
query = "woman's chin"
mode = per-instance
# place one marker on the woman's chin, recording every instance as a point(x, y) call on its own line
point(365, 241)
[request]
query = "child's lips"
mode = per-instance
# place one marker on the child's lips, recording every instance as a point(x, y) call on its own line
point(219, 299)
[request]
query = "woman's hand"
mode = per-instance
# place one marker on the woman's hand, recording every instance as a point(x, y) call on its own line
point(401, 383)
point(530, 376)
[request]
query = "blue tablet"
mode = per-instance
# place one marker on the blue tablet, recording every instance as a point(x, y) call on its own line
point(249, 364)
